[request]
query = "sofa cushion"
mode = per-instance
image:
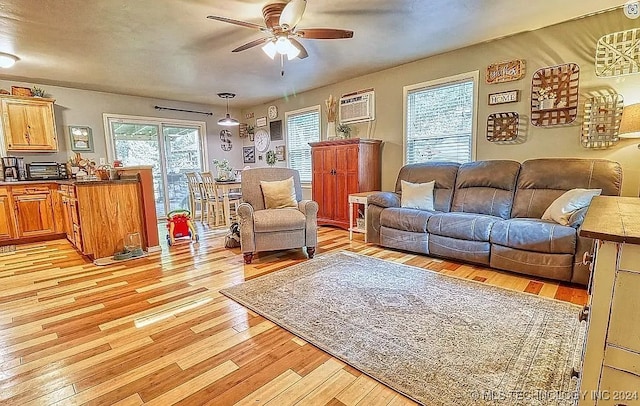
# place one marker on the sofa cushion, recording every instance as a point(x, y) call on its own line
point(405, 219)
point(541, 181)
point(486, 187)
point(535, 235)
point(269, 220)
point(463, 226)
point(443, 173)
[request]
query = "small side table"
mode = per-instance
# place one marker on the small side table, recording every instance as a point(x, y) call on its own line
point(358, 198)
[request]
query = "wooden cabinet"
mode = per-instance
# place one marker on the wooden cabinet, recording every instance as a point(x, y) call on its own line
point(34, 211)
point(6, 216)
point(28, 124)
point(610, 372)
point(340, 168)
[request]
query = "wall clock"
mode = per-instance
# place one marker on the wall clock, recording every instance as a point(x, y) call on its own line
point(262, 140)
point(272, 112)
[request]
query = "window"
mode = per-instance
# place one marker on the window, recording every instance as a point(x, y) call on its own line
point(440, 119)
point(303, 127)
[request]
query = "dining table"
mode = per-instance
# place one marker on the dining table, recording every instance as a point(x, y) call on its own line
point(224, 188)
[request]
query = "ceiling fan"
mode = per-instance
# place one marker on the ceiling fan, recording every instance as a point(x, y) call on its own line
point(280, 26)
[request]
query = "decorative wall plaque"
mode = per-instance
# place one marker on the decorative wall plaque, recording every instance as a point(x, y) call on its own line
point(554, 95)
point(503, 126)
point(505, 71)
point(602, 116)
point(242, 130)
point(509, 96)
point(618, 53)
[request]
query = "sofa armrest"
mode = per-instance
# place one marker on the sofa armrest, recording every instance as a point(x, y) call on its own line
point(308, 207)
point(384, 199)
point(247, 237)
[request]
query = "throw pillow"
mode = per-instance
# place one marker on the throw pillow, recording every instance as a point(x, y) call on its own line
point(568, 203)
point(417, 195)
point(279, 194)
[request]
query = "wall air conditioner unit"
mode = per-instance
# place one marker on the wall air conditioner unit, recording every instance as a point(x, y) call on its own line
point(356, 108)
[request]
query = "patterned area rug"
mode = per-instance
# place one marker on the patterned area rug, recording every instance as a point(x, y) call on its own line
point(437, 339)
point(7, 249)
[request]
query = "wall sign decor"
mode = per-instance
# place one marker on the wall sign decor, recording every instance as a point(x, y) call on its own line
point(261, 122)
point(618, 53)
point(242, 130)
point(280, 153)
point(503, 126)
point(275, 129)
point(554, 95)
point(602, 116)
point(509, 96)
point(247, 116)
point(249, 155)
point(225, 140)
point(80, 138)
point(507, 71)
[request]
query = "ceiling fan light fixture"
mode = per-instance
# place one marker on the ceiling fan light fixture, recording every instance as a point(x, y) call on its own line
point(227, 121)
point(293, 52)
point(7, 60)
point(270, 49)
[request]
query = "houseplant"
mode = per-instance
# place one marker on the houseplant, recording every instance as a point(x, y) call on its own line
point(224, 170)
point(271, 157)
point(344, 130)
point(37, 92)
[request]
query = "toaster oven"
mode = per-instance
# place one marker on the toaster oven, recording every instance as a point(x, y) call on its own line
point(46, 171)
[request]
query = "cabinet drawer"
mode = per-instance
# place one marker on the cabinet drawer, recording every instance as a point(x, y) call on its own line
point(31, 190)
point(630, 257)
point(618, 388)
point(624, 322)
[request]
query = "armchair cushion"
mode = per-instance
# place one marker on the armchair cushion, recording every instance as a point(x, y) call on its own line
point(279, 194)
point(286, 219)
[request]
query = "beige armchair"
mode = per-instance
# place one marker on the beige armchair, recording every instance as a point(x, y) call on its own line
point(275, 229)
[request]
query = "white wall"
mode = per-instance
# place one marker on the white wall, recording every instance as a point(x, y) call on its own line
point(86, 108)
point(573, 41)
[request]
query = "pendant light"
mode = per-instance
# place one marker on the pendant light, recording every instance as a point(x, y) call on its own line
point(7, 60)
point(227, 120)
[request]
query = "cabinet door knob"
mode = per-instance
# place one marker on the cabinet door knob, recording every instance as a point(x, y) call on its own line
point(587, 258)
point(584, 314)
point(575, 373)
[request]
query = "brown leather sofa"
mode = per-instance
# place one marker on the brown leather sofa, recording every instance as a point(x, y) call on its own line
point(489, 213)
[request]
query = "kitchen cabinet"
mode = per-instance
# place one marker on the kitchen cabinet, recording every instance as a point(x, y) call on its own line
point(28, 124)
point(34, 211)
point(610, 371)
point(6, 216)
point(340, 168)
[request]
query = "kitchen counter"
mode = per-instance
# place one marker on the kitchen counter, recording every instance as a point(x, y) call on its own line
point(68, 182)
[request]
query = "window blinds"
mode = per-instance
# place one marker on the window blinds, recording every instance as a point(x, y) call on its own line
point(440, 123)
point(302, 128)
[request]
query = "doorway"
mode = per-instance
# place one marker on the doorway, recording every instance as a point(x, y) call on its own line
point(171, 147)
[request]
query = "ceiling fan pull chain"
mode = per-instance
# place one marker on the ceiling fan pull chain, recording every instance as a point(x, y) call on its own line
point(281, 64)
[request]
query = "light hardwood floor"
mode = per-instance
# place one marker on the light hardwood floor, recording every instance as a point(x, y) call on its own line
point(68, 330)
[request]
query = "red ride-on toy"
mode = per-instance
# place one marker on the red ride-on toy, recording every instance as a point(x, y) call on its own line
point(179, 225)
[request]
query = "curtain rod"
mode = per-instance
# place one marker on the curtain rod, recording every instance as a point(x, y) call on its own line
point(208, 113)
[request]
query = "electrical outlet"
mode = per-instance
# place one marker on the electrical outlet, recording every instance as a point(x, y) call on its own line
point(103, 161)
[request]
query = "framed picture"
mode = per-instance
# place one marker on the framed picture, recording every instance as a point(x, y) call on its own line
point(249, 155)
point(275, 129)
point(21, 91)
point(80, 138)
point(509, 96)
point(261, 122)
point(280, 153)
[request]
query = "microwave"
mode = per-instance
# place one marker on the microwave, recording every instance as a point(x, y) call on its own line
point(46, 171)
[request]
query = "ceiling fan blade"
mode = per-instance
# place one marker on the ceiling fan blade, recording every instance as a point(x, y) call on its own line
point(238, 22)
point(292, 13)
point(303, 52)
point(251, 44)
point(324, 33)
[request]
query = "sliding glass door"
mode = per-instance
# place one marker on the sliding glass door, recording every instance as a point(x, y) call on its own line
point(171, 148)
